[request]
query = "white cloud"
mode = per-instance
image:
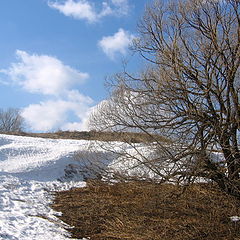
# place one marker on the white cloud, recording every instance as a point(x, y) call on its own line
point(82, 125)
point(64, 107)
point(79, 10)
point(43, 74)
point(45, 115)
point(52, 114)
point(85, 10)
point(118, 43)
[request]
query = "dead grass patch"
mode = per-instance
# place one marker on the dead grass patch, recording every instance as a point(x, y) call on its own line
point(146, 211)
point(94, 135)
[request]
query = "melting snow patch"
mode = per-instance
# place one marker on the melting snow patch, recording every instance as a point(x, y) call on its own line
point(235, 218)
point(29, 169)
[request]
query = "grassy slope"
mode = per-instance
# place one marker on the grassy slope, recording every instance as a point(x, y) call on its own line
point(93, 135)
point(146, 211)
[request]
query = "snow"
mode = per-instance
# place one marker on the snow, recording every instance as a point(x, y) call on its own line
point(32, 168)
point(29, 172)
point(235, 218)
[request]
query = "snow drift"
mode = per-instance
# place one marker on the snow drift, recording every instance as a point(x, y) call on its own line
point(29, 169)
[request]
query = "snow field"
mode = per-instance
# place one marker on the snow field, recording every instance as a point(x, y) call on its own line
point(29, 169)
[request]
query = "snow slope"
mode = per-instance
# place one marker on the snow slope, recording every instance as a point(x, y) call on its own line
point(29, 169)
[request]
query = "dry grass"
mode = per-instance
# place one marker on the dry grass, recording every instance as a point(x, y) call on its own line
point(94, 135)
point(146, 211)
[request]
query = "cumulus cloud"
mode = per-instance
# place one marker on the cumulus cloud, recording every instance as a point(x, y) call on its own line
point(64, 107)
point(43, 74)
point(117, 43)
point(52, 114)
point(79, 10)
point(45, 115)
point(85, 10)
point(82, 125)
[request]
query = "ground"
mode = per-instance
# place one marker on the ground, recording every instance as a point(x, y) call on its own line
point(148, 211)
point(40, 198)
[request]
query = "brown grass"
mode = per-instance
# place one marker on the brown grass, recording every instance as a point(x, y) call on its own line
point(146, 211)
point(94, 135)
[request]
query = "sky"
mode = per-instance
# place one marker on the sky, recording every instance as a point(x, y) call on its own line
point(56, 55)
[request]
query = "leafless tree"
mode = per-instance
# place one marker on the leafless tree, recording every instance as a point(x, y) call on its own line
point(11, 120)
point(189, 92)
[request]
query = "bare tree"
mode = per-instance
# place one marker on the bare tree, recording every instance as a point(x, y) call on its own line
point(189, 93)
point(11, 120)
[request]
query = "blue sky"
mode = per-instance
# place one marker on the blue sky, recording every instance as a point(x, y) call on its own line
point(55, 55)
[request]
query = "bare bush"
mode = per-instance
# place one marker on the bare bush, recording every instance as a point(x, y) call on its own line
point(11, 120)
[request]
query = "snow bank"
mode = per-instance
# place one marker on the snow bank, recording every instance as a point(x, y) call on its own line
point(29, 169)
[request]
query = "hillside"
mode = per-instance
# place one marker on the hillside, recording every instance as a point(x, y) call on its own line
point(29, 169)
point(94, 135)
point(33, 182)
